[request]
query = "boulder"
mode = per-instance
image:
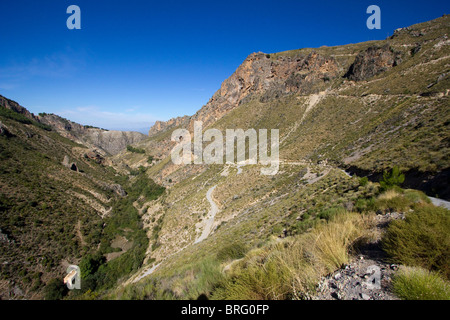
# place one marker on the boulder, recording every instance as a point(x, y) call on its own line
point(95, 156)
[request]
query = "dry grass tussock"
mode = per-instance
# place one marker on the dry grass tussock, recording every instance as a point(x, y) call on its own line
point(292, 268)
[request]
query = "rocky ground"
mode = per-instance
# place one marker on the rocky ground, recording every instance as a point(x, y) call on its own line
point(367, 277)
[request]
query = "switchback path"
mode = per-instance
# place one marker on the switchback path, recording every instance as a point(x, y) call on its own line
point(211, 215)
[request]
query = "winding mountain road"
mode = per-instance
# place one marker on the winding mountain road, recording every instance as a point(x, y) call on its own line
point(211, 215)
point(440, 203)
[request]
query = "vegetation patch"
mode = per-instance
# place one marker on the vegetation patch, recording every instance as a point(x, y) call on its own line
point(135, 150)
point(421, 239)
point(413, 283)
point(292, 268)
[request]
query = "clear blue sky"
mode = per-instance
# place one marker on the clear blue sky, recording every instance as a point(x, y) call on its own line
point(134, 62)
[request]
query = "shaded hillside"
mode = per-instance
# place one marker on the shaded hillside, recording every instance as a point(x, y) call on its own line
point(59, 204)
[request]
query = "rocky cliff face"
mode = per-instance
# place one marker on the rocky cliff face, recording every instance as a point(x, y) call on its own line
point(348, 103)
point(111, 142)
point(372, 62)
point(14, 106)
point(261, 74)
point(160, 126)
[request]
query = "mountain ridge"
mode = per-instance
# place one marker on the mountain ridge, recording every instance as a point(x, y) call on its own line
point(361, 75)
point(393, 114)
point(103, 141)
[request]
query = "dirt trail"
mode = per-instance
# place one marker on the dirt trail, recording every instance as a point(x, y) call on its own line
point(440, 203)
point(314, 99)
point(208, 224)
point(147, 272)
point(368, 275)
point(207, 228)
point(79, 234)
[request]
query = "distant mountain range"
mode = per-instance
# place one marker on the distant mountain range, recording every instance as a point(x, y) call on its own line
point(110, 142)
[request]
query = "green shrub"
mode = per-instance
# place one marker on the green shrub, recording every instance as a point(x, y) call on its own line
point(419, 284)
point(277, 229)
point(208, 274)
point(421, 239)
point(90, 264)
point(8, 113)
point(328, 214)
point(55, 290)
point(302, 226)
point(365, 205)
point(397, 199)
point(392, 179)
point(232, 252)
point(135, 150)
point(416, 196)
point(43, 126)
point(398, 203)
point(363, 181)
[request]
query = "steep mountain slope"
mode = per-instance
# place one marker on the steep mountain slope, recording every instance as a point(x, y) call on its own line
point(362, 107)
point(61, 204)
point(365, 107)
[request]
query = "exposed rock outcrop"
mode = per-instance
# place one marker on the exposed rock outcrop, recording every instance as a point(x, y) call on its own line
point(95, 156)
point(261, 73)
point(65, 161)
point(167, 125)
point(4, 237)
point(4, 130)
point(117, 188)
point(71, 165)
point(111, 142)
point(14, 106)
point(373, 61)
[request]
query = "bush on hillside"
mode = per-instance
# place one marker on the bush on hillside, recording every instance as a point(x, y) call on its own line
point(421, 239)
point(392, 179)
point(135, 150)
point(420, 284)
point(55, 290)
point(232, 251)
